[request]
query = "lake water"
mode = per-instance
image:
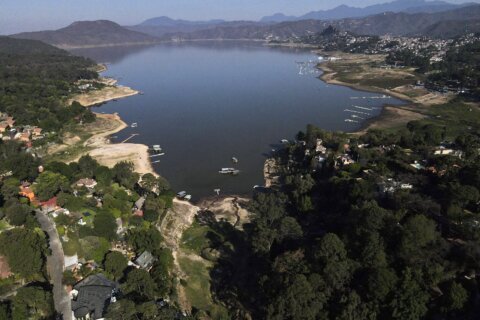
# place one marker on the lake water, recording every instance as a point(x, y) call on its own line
point(205, 103)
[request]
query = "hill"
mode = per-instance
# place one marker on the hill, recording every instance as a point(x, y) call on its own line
point(398, 24)
point(160, 26)
point(344, 11)
point(89, 34)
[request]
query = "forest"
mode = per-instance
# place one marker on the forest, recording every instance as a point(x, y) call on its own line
point(393, 234)
point(36, 79)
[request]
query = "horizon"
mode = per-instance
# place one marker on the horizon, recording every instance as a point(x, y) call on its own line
point(30, 15)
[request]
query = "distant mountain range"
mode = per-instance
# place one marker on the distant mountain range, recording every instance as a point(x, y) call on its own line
point(344, 11)
point(447, 23)
point(439, 24)
point(89, 34)
point(157, 27)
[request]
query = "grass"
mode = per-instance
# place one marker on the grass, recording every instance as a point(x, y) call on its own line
point(197, 287)
point(195, 238)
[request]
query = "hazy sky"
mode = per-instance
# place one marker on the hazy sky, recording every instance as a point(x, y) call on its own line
point(30, 15)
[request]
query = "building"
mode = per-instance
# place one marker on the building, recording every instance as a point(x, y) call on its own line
point(145, 260)
point(70, 262)
point(87, 183)
point(92, 296)
point(139, 203)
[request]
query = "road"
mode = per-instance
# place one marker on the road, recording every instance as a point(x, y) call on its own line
point(55, 266)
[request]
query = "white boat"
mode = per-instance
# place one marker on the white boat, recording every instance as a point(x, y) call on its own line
point(188, 197)
point(234, 160)
point(232, 171)
point(134, 125)
point(156, 148)
point(285, 141)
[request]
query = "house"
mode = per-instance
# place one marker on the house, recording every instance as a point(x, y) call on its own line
point(50, 205)
point(345, 160)
point(87, 183)
point(37, 131)
point(70, 262)
point(92, 296)
point(27, 192)
point(319, 148)
point(138, 213)
point(145, 260)
point(139, 203)
point(10, 121)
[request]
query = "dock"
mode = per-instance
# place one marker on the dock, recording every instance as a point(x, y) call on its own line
point(131, 136)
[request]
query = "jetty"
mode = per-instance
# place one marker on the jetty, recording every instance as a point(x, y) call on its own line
point(157, 155)
point(131, 136)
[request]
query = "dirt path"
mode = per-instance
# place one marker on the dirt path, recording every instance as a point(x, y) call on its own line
point(55, 266)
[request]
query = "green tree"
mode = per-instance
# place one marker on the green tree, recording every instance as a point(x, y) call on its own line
point(10, 188)
point(25, 251)
point(32, 303)
point(455, 297)
point(115, 264)
point(140, 285)
point(17, 213)
point(409, 301)
point(142, 239)
point(87, 166)
point(122, 310)
point(105, 226)
point(49, 184)
point(123, 173)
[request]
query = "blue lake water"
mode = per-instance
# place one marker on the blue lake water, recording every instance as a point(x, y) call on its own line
point(205, 103)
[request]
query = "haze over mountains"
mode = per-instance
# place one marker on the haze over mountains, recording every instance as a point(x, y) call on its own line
point(344, 11)
point(399, 18)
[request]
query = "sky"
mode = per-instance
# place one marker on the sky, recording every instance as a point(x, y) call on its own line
point(33, 15)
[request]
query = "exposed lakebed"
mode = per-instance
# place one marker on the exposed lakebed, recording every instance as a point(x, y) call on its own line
point(206, 102)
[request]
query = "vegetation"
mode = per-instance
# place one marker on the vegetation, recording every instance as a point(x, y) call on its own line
point(35, 79)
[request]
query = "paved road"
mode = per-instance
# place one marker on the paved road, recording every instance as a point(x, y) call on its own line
point(55, 266)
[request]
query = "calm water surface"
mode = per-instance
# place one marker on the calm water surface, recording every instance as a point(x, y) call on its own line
point(205, 103)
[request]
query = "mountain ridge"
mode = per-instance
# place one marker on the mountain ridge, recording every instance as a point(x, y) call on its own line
point(89, 34)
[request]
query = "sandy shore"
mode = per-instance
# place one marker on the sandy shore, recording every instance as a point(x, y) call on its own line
point(109, 93)
point(109, 154)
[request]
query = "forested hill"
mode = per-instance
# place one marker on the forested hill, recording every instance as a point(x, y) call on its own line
point(35, 78)
point(89, 34)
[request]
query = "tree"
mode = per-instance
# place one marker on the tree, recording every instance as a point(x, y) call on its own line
point(140, 285)
point(115, 264)
point(455, 297)
point(418, 232)
point(10, 188)
point(409, 301)
point(49, 184)
point(123, 173)
point(17, 213)
point(25, 251)
point(32, 303)
point(105, 226)
point(87, 166)
point(142, 239)
point(154, 184)
point(332, 257)
point(121, 310)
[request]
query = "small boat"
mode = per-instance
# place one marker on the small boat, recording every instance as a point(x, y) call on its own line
point(134, 125)
point(156, 148)
point(232, 171)
point(234, 160)
point(181, 194)
point(188, 197)
point(284, 141)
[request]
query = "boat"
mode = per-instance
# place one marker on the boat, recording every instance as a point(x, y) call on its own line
point(181, 194)
point(188, 197)
point(285, 141)
point(134, 125)
point(232, 171)
point(234, 160)
point(156, 148)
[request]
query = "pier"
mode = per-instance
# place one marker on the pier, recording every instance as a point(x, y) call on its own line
point(131, 136)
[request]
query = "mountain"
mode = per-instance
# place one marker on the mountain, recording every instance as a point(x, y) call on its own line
point(344, 11)
point(83, 34)
point(27, 47)
point(398, 24)
point(159, 26)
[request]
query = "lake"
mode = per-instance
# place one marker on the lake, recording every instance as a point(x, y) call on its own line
point(206, 102)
